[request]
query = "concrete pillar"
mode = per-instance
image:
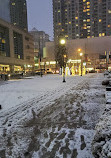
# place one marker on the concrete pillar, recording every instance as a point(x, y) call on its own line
point(11, 42)
point(11, 68)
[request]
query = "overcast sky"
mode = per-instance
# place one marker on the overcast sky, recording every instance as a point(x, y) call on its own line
point(40, 15)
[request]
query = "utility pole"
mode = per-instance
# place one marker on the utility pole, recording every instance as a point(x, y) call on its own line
point(107, 59)
point(81, 54)
point(40, 59)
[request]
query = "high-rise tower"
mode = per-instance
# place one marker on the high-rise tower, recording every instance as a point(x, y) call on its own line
point(18, 13)
point(82, 18)
point(14, 11)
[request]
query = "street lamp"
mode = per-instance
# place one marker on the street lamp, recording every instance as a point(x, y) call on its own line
point(40, 59)
point(79, 50)
point(40, 67)
point(64, 68)
point(81, 54)
point(62, 43)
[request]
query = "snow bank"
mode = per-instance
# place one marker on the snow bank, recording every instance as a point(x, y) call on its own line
point(101, 145)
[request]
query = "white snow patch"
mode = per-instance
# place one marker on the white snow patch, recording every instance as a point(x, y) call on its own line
point(88, 136)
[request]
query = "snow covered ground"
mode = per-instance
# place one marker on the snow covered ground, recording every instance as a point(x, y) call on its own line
point(102, 139)
point(45, 118)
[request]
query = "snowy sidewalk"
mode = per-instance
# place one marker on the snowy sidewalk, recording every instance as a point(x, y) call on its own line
point(101, 145)
point(52, 119)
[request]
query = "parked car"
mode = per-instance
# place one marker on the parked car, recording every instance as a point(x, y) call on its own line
point(39, 73)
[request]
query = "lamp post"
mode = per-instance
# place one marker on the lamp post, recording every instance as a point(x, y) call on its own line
point(40, 58)
point(81, 54)
point(64, 68)
point(79, 50)
point(40, 67)
point(62, 43)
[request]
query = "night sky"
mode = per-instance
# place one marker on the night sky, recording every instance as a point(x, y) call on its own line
point(40, 15)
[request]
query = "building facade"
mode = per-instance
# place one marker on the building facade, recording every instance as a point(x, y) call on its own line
point(82, 18)
point(92, 49)
point(14, 11)
point(40, 38)
point(16, 49)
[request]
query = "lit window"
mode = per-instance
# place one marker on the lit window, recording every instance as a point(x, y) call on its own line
point(3, 40)
point(76, 17)
point(84, 10)
point(88, 20)
point(88, 6)
point(109, 11)
point(88, 3)
point(13, 3)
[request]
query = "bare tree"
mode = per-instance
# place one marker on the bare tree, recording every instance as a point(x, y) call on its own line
point(61, 56)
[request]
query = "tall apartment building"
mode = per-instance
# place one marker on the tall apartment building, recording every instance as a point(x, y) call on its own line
point(14, 11)
point(82, 18)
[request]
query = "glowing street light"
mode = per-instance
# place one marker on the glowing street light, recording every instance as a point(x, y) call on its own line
point(79, 50)
point(81, 54)
point(65, 56)
point(62, 41)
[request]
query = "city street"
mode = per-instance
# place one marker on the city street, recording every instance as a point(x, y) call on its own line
point(42, 117)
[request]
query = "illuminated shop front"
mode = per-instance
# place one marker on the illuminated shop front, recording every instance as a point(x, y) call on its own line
point(4, 68)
